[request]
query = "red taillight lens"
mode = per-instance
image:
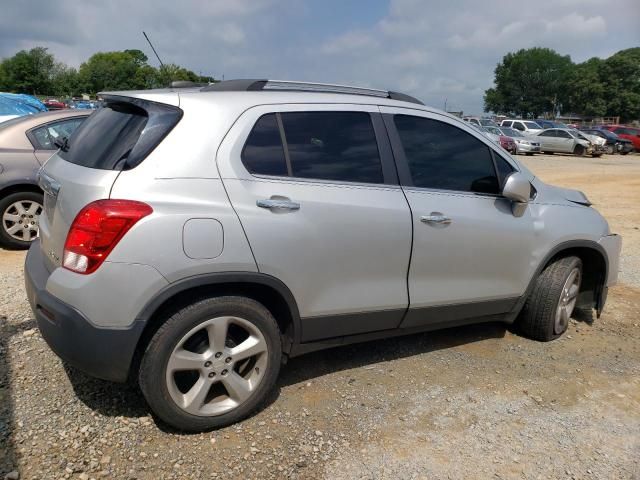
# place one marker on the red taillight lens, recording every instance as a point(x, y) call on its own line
point(97, 229)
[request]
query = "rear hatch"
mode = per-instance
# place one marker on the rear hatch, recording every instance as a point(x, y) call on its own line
point(117, 137)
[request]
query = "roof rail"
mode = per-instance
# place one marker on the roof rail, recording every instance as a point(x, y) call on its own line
point(245, 85)
point(186, 84)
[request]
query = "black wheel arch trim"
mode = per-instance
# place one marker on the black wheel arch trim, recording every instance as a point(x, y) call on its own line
point(599, 294)
point(222, 278)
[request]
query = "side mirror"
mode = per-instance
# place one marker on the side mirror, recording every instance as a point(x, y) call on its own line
point(517, 188)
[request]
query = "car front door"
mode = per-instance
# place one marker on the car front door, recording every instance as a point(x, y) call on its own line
point(548, 140)
point(471, 254)
point(565, 142)
point(317, 193)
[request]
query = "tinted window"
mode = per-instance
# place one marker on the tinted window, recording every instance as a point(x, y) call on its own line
point(46, 135)
point(503, 168)
point(263, 153)
point(445, 157)
point(532, 125)
point(332, 146)
point(112, 137)
point(518, 126)
point(548, 133)
point(562, 134)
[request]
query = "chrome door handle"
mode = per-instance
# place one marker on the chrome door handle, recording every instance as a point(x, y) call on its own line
point(278, 204)
point(435, 218)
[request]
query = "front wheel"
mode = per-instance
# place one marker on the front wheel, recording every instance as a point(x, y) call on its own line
point(212, 363)
point(610, 150)
point(550, 304)
point(579, 150)
point(20, 214)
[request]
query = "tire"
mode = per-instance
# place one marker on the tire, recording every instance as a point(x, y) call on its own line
point(596, 155)
point(15, 209)
point(624, 153)
point(610, 150)
point(579, 150)
point(182, 342)
point(539, 318)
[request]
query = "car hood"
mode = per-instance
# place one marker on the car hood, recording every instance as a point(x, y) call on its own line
point(552, 194)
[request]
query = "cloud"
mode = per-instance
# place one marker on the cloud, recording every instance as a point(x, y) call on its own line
point(433, 50)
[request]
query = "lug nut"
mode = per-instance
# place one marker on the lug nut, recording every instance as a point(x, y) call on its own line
point(212, 374)
point(207, 364)
point(227, 360)
point(218, 354)
point(225, 371)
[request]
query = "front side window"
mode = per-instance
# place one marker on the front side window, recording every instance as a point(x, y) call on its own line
point(442, 156)
point(562, 134)
point(548, 133)
point(335, 146)
point(518, 126)
point(532, 125)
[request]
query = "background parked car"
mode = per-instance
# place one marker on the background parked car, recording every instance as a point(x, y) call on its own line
point(25, 144)
point(613, 143)
point(525, 126)
point(630, 133)
point(524, 144)
point(54, 104)
point(481, 122)
point(503, 140)
point(549, 123)
point(564, 140)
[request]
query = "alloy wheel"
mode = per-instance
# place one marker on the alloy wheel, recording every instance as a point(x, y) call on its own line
point(216, 366)
point(567, 301)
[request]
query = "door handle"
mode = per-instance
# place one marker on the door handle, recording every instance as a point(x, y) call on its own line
point(278, 204)
point(435, 218)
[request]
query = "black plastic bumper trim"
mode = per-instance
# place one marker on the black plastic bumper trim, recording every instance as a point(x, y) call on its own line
point(100, 352)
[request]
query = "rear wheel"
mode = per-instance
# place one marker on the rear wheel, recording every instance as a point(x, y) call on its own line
point(212, 363)
point(551, 303)
point(19, 214)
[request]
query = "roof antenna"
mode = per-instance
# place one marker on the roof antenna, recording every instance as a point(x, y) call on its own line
point(154, 50)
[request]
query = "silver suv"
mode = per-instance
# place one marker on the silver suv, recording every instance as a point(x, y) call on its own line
point(195, 238)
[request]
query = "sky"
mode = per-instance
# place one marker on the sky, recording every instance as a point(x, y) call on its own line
point(435, 50)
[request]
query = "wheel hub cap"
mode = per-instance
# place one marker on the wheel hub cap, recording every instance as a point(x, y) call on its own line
point(20, 220)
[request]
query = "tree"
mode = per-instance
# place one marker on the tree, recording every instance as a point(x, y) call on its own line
point(109, 71)
point(65, 81)
point(28, 71)
point(585, 90)
point(620, 75)
point(529, 82)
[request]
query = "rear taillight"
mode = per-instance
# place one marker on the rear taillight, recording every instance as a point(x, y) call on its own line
point(97, 229)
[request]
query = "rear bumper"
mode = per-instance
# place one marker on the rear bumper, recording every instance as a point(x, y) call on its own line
point(104, 353)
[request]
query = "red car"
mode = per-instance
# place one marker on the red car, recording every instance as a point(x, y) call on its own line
point(53, 104)
point(508, 144)
point(630, 133)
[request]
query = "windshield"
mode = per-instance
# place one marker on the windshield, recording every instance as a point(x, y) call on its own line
point(511, 132)
point(532, 125)
point(577, 134)
point(485, 122)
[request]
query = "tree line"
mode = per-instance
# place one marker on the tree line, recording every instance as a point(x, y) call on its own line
point(540, 81)
point(37, 72)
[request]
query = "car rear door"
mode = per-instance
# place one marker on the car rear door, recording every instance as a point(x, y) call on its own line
point(471, 255)
point(317, 193)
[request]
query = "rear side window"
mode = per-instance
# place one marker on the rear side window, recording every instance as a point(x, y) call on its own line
point(335, 146)
point(120, 135)
point(444, 157)
point(43, 138)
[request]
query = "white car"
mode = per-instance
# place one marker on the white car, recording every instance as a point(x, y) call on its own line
point(525, 126)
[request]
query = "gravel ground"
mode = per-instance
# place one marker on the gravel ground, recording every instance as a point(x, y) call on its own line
point(471, 402)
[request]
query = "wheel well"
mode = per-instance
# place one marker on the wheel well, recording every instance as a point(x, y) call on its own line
point(264, 294)
point(21, 187)
point(594, 272)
